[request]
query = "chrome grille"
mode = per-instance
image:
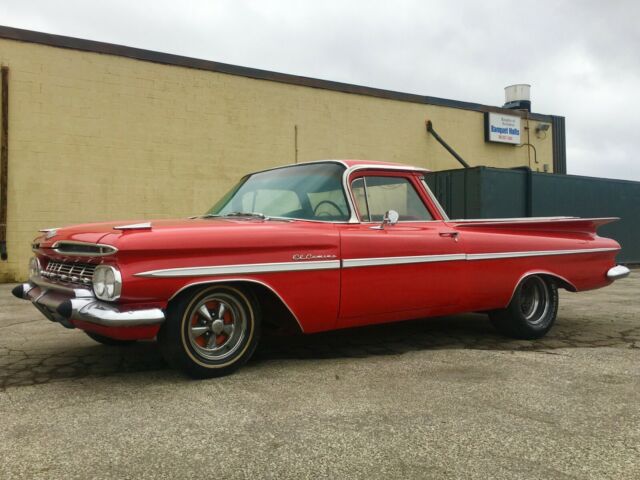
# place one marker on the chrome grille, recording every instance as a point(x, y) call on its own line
point(82, 249)
point(77, 273)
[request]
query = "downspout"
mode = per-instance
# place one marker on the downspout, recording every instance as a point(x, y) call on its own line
point(446, 145)
point(4, 160)
point(295, 143)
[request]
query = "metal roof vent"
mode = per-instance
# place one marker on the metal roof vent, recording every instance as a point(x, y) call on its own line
point(518, 97)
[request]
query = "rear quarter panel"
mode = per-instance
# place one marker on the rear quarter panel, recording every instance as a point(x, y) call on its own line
point(490, 283)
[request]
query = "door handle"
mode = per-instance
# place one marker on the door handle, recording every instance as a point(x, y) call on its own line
point(453, 235)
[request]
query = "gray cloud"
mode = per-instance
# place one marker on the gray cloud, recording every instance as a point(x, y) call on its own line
point(581, 58)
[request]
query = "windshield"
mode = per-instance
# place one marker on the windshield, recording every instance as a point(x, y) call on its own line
point(306, 192)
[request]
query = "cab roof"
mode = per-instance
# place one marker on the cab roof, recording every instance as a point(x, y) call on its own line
point(352, 164)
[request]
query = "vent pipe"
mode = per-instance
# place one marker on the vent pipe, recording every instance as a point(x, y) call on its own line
point(518, 97)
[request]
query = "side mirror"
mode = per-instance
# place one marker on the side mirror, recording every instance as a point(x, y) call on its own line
point(390, 218)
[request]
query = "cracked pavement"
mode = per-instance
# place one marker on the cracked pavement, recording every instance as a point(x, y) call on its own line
point(435, 398)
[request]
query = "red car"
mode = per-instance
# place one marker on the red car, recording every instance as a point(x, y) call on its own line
point(321, 246)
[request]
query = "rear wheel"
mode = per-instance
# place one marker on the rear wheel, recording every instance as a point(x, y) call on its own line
point(108, 340)
point(210, 332)
point(532, 311)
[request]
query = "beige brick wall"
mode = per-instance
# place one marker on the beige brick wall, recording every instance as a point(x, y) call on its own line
point(100, 137)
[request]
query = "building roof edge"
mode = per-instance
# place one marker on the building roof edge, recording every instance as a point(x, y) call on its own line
point(61, 41)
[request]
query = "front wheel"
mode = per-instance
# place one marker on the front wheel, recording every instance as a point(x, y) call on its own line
point(532, 311)
point(210, 332)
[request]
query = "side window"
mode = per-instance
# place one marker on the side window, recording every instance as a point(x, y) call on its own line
point(357, 187)
point(381, 194)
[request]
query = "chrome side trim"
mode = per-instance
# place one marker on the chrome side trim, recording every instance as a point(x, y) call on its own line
point(370, 262)
point(102, 249)
point(245, 280)
point(540, 253)
point(513, 219)
point(349, 263)
point(618, 272)
point(241, 269)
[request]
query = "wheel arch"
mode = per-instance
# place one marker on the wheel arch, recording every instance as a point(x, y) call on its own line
point(275, 311)
point(558, 279)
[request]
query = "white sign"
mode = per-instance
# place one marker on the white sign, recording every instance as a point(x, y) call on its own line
point(502, 128)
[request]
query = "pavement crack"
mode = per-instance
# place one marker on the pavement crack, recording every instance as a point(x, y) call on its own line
point(22, 322)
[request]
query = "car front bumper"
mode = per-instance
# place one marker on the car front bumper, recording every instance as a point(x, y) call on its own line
point(73, 306)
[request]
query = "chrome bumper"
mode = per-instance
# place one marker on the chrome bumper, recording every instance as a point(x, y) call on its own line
point(63, 304)
point(618, 272)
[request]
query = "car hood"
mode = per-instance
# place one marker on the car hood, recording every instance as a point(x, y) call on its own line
point(197, 233)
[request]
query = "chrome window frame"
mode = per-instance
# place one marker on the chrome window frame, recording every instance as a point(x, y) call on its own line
point(347, 192)
point(353, 216)
point(398, 168)
point(366, 197)
point(434, 200)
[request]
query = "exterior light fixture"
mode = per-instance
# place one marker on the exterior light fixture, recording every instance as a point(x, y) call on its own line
point(541, 130)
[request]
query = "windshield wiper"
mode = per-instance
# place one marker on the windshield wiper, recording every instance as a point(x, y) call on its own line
point(259, 215)
point(246, 214)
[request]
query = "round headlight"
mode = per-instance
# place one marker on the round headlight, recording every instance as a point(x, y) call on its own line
point(99, 286)
point(34, 267)
point(110, 283)
point(107, 282)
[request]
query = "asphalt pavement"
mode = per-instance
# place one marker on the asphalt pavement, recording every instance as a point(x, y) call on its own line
point(437, 398)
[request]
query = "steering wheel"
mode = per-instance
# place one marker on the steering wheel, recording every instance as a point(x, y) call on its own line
point(326, 214)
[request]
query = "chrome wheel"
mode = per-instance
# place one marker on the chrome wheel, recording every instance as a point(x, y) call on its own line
point(534, 300)
point(212, 330)
point(532, 310)
point(217, 326)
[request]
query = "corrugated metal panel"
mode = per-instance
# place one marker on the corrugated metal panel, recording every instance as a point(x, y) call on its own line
point(484, 192)
point(559, 145)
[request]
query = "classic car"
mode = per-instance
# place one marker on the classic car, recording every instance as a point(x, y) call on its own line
point(317, 246)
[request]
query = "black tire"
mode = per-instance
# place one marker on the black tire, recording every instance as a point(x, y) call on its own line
point(197, 341)
point(532, 311)
point(109, 341)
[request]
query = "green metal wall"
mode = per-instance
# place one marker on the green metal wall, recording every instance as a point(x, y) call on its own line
point(485, 192)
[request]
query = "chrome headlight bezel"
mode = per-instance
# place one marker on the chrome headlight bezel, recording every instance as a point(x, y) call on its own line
point(107, 283)
point(35, 268)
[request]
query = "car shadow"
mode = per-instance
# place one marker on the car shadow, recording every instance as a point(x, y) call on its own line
point(466, 331)
point(83, 358)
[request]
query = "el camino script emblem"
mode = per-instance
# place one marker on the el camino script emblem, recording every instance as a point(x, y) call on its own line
point(311, 256)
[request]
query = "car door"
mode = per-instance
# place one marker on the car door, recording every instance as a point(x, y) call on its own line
point(402, 270)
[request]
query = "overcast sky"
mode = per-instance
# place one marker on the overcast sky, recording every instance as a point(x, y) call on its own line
point(581, 58)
